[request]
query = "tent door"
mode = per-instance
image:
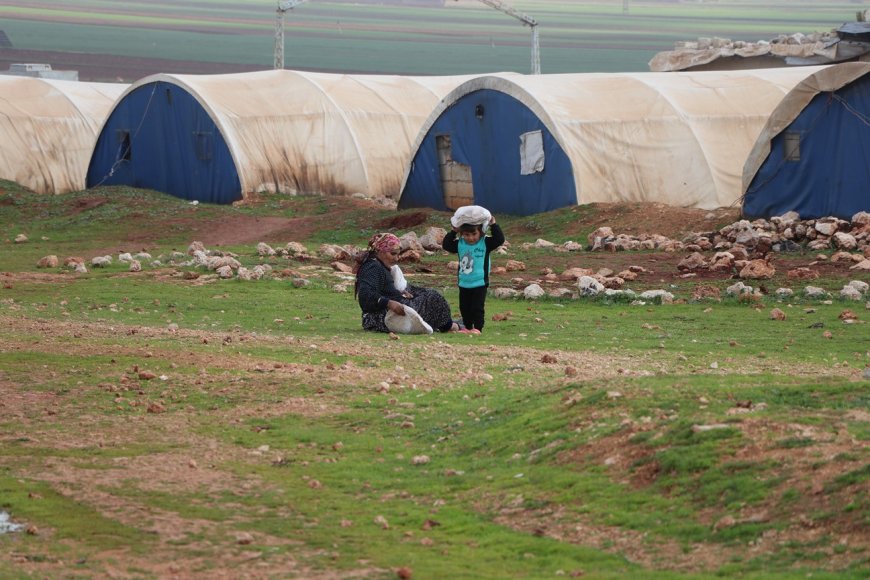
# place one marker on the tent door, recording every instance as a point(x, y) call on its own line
point(455, 177)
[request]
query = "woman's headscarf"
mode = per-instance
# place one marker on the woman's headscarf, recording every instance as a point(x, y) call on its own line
point(384, 242)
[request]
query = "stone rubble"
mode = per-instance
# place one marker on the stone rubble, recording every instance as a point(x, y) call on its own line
point(743, 250)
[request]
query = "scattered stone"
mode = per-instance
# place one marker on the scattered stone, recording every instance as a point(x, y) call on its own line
point(382, 522)
point(757, 270)
point(48, 262)
point(706, 293)
point(533, 292)
point(847, 315)
point(663, 295)
point(195, 247)
point(815, 292)
point(589, 286)
point(738, 289)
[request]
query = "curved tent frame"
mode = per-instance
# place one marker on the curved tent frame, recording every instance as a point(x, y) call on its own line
point(219, 137)
point(675, 138)
point(49, 128)
point(813, 154)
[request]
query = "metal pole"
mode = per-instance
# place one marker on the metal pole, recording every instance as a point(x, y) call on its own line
point(536, 52)
point(279, 39)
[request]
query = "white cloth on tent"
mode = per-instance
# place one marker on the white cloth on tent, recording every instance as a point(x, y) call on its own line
point(471, 214)
point(410, 323)
point(531, 153)
point(398, 278)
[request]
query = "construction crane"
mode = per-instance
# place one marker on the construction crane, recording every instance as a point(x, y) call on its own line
point(283, 6)
point(527, 21)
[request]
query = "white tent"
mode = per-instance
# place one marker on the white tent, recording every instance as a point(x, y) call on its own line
point(48, 129)
point(288, 131)
point(829, 80)
point(675, 138)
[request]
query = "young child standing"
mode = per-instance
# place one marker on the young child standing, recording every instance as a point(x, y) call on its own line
point(473, 246)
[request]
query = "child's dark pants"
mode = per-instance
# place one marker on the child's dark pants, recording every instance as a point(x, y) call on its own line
point(471, 302)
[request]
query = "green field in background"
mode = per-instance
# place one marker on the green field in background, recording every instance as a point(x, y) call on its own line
point(574, 36)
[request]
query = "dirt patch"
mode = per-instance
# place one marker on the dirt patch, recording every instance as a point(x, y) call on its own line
point(404, 221)
point(81, 204)
point(655, 218)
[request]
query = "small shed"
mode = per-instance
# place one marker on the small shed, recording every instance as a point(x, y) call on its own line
point(216, 138)
point(813, 154)
point(528, 144)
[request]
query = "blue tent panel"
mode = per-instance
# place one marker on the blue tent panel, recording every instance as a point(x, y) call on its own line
point(820, 164)
point(485, 128)
point(159, 137)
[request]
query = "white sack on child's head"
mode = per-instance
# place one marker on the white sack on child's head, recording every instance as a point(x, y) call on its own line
point(410, 323)
point(471, 214)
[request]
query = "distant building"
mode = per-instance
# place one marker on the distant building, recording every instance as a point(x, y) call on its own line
point(850, 42)
point(41, 71)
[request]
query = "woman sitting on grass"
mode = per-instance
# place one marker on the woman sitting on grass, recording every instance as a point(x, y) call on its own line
point(376, 289)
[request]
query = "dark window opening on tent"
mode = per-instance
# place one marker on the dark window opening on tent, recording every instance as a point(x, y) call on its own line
point(169, 96)
point(124, 145)
point(204, 143)
point(455, 177)
point(791, 143)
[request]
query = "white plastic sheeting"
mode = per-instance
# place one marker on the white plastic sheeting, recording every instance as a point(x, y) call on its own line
point(675, 138)
point(306, 132)
point(48, 129)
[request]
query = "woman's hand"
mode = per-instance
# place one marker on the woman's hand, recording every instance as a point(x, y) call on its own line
point(492, 220)
point(396, 307)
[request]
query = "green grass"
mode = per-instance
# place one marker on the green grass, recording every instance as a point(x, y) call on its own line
point(284, 430)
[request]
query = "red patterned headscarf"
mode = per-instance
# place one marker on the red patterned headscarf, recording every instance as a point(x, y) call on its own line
point(385, 242)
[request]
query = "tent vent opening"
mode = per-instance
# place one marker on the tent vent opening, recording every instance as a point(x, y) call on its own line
point(791, 143)
point(124, 148)
point(456, 180)
point(204, 146)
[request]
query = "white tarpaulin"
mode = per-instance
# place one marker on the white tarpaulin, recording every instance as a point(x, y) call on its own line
point(306, 132)
point(48, 129)
point(675, 138)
